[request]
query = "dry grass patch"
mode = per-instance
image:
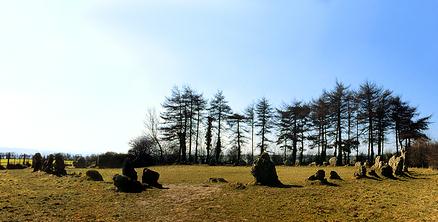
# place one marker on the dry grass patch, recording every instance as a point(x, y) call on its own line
point(27, 196)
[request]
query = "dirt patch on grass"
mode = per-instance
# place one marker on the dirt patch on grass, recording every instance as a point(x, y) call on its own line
point(27, 196)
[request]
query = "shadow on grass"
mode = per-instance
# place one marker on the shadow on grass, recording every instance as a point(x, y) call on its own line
point(288, 186)
point(323, 182)
point(376, 177)
point(413, 175)
point(279, 185)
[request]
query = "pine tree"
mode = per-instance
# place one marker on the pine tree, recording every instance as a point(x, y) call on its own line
point(219, 110)
point(264, 121)
point(250, 116)
point(236, 122)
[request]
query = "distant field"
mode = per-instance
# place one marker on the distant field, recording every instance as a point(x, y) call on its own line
point(39, 197)
point(3, 162)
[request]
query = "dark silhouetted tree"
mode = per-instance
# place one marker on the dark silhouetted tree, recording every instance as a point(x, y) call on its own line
point(152, 130)
point(208, 137)
point(219, 110)
point(238, 128)
point(264, 122)
point(250, 114)
point(368, 96)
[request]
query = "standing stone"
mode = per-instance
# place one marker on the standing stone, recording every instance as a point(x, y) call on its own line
point(361, 170)
point(378, 163)
point(319, 175)
point(59, 165)
point(386, 171)
point(128, 169)
point(37, 162)
point(80, 162)
point(150, 178)
point(396, 163)
point(334, 176)
point(264, 171)
point(126, 184)
point(332, 161)
point(48, 164)
point(94, 175)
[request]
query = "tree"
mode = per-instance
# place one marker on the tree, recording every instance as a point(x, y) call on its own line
point(383, 118)
point(264, 121)
point(368, 96)
point(283, 123)
point(236, 121)
point(152, 123)
point(200, 105)
point(250, 116)
point(303, 117)
point(219, 110)
point(142, 149)
point(406, 128)
point(338, 108)
point(174, 117)
point(320, 120)
point(208, 137)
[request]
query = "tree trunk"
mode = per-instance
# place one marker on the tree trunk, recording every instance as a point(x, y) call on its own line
point(340, 145)
point(218, 144)
point(197, 137)
point(238, 142)
point(252, 141)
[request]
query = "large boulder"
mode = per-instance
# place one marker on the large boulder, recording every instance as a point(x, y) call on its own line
point(127, 185)
point(319, 175)
point(334, 175)
point(398, 164)
point(37, 162)
point(48, 164)
point(128, 169)
point(80, 162)
point(378, 163)
point(386, 171)
point(361, 170)
point(332, 161)
point(94, 175)
point(59, 165)
point(264, 171)
point(150, 178)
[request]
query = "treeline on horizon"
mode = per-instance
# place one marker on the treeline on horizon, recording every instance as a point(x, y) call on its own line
point(191, 128)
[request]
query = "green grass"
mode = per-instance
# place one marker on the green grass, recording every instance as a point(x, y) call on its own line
point(37, 196)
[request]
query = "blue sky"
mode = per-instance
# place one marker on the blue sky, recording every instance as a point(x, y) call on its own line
point(78, 76)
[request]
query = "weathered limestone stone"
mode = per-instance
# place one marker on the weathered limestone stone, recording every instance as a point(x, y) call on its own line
point(80, 162)
point(59, 165)
point(37, 162)
point(361, 170)
point(94, 175)
point(334, 176)
point(128, 169)
point(264, 171)
point(332, 161)
point(150, 178)
point(126, 184)
point(319, 175)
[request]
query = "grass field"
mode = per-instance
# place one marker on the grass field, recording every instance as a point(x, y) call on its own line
point(38, 196)
point(4, 162)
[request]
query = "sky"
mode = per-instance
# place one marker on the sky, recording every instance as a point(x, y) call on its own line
point(79, 76)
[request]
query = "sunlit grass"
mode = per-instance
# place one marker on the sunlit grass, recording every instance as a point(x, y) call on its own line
point(26, 196)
